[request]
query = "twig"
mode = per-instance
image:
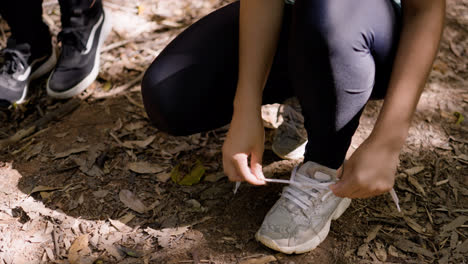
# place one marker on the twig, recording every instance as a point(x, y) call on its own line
point(23, 148)
point(40, 132)
point(65, 109)
point(116, 45)
point(56, 244)
point(121, 88)
point(133, 102)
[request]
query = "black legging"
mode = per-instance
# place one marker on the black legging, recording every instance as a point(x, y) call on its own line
point(333, 55)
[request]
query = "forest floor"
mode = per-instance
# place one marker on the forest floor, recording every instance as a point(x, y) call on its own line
point(91, 183)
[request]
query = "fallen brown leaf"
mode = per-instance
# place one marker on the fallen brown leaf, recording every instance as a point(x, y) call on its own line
point(70, 152)
point(143, 167)
point(414, 170)
point(138, 143)
point(416, 185)
point(131, 201)
point(259, 260)
point(79, 249)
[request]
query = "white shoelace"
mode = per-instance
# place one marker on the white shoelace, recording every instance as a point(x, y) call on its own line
point(309, 187)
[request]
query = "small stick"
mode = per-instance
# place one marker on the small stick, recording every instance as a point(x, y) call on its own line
point(65, 109)
point(56, 244)
point(121, 88)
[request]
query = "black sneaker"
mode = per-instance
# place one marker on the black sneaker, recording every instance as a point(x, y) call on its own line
point(18, 66)
point(78, 64)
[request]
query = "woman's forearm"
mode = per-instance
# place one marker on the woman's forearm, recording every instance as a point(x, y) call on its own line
point(259, 29)
point(419, 41)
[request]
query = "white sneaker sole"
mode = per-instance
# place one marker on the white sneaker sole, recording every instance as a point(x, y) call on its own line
point(46, 67)
point(313, 242)
point(297, 153)
point(86, 82)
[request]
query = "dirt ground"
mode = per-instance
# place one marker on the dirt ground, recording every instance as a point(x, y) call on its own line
point(92, 184)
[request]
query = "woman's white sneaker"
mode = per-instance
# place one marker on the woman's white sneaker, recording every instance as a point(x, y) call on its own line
point(300, 220)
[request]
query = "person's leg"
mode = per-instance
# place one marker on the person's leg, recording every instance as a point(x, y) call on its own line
point(28, 54)
point(85, 25)
point(26, 24)
point(86, 10)
point(342, 50)
point(190, 86)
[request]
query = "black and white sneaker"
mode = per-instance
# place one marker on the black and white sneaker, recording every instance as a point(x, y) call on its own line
point(18, 66)
point(78, 64)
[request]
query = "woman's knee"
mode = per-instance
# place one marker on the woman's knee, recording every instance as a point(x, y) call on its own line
point(155, 97)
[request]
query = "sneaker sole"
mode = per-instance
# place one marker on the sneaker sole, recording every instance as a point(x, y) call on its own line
point(88, 80)
point(297, 153)
point(314, 242)
point(45, 68)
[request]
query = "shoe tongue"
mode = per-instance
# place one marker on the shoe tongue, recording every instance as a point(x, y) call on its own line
point(317, 172)
point(321, 176)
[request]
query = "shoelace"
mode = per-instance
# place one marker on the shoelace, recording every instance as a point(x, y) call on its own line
point(300, 185)
point(12, 59)
point(310, 187)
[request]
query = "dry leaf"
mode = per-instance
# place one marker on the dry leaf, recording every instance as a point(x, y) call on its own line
point(120, 226)
point(459, 221)
point(259, 260)
point(138, 143)
point(113, 251)
point(363, 250)
point(50, 253)
point(414, 170)
point(416, 185)
point(61, 135)
point(372, 233)
point(414, 225)
point(78, 250)
point(45, 195)
point(130, 252)
point(165, 235)
point(392, 251)
point(126, 218)
point(131, 201)
point(463, 247)
point(70, 152)
point(42, 188)
point(135, 125)
point(143, 167)
point(163, 177)
point(380, 252)
point(408, 246)
point(100, 193)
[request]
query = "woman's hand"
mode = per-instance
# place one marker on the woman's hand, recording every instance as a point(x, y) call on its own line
point(245, 139)
point(259, 30)
point(369, 172)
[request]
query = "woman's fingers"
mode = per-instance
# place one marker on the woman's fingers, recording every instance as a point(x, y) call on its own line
point(230, 170)
point(256, 164)
point(343, 188)
point(242, 167)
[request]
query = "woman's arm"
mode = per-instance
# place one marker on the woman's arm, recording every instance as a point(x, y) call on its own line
point(371, 169)
point(259, 29)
